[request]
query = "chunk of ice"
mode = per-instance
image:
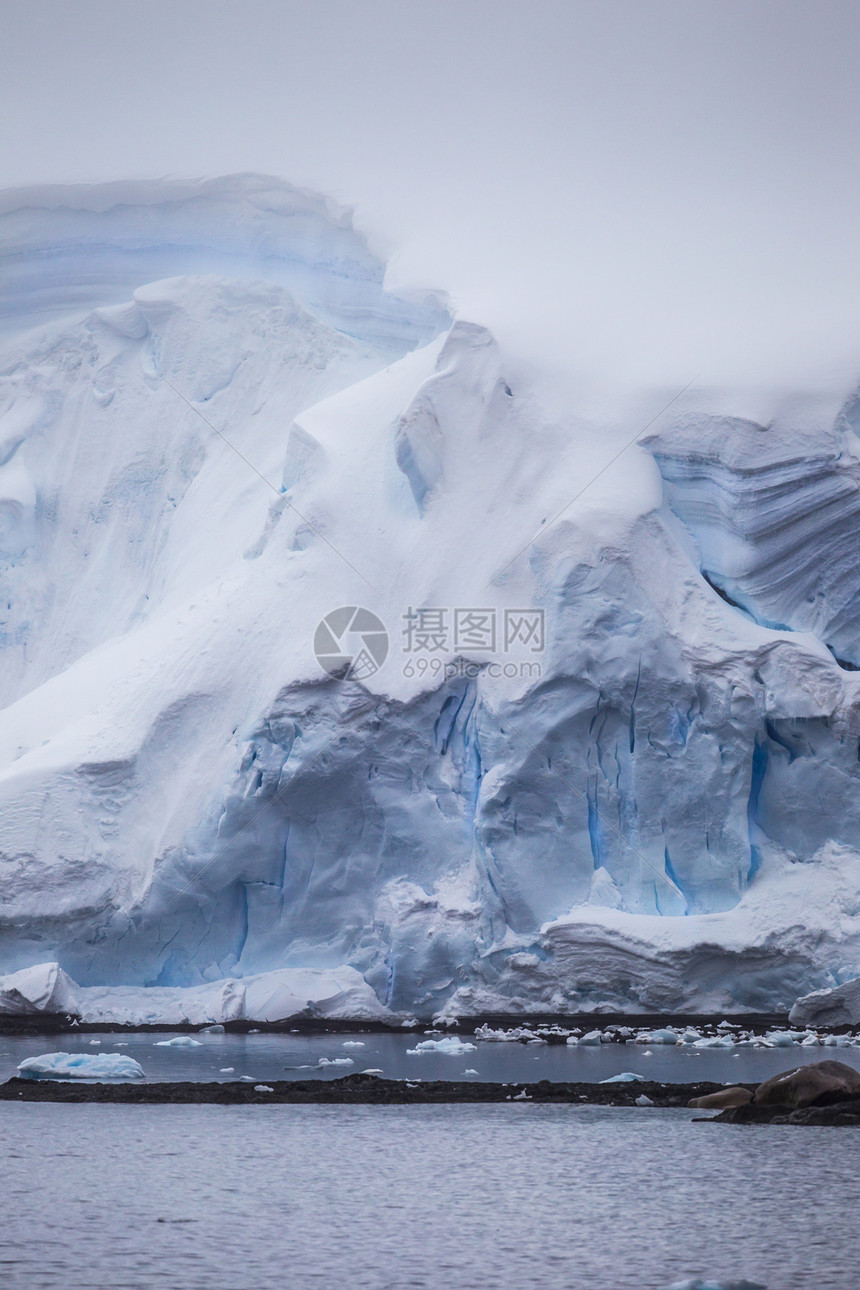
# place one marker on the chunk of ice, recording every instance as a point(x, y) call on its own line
point(451, 1046)
point(80, 1066)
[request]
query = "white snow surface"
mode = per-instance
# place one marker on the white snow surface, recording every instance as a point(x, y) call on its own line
point(191, 810)
point(837, 1006)
point(340, 994)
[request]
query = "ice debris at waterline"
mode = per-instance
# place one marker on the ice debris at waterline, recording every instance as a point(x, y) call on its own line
point(107, 1066)
point(724, 1035)
point(450, 1046)
point(645, 799)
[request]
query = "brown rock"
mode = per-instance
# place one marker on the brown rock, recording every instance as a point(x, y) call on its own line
point(736, 1096)
point(812, 1085)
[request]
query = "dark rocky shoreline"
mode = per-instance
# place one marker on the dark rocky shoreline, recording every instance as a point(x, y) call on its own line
point(42, 1023)
point(373, 1090)
point(352, 1089)
point(842, 1114)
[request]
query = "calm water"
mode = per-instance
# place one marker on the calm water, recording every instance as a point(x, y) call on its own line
point(268, 1057)
point(389, 1198)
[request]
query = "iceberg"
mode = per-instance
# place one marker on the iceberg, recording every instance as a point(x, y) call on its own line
point(225, 446)
point(626, 1077)
point(80, 1066)
point(837, 1006)
point(450, 1046)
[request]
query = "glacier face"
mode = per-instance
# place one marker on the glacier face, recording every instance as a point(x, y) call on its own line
point(216, 428)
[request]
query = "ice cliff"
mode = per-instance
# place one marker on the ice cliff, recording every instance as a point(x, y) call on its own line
point(216, 428)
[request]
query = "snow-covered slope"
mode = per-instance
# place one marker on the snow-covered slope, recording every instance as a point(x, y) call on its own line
point(216, 428)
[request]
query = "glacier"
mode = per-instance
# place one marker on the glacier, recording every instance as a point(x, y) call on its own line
point(217, 428)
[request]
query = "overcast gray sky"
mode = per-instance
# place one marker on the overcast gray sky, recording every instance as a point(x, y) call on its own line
point(655, 189)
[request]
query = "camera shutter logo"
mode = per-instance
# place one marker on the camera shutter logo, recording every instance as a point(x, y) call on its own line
point(351, 643)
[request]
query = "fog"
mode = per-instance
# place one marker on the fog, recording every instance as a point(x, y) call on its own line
point(647, 192)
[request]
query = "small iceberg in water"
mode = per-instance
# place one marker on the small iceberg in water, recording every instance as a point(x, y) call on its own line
point(451, 1046)
point(80, 1066)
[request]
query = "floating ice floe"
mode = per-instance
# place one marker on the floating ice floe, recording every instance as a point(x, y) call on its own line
point(181, 1041)
point(450, 1046)
point(664, 1036)
point(516, 1034)
point(783, 1038)
point(718, 1041)
point(80, 1066)
point(335, 1061)
point(352, 1043)
point(591, 1040)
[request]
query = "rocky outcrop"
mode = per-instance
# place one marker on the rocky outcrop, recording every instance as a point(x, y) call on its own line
point(825, 1092)
point(818, 1084)
point(726, 1097)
